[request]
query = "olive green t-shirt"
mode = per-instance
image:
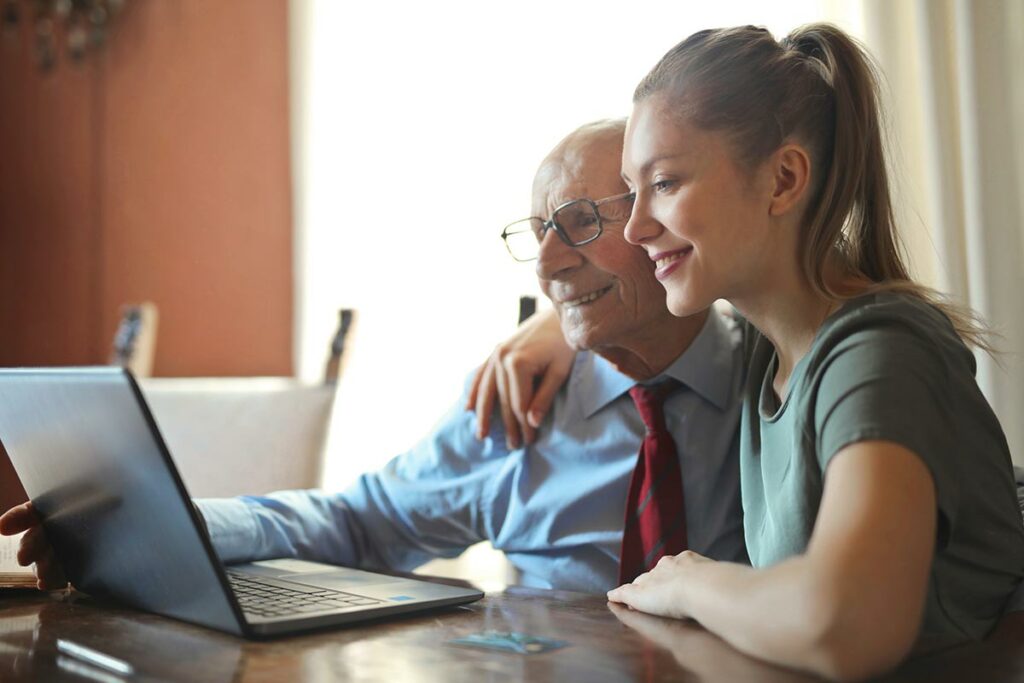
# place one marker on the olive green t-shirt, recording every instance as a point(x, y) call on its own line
point(887, 367)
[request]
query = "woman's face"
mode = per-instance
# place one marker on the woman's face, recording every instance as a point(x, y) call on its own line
point(702, 218)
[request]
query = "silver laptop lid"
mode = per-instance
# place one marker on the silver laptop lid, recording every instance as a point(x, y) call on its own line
point(121, 523)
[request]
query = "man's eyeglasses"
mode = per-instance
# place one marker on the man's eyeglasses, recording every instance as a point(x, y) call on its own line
point(576, 223)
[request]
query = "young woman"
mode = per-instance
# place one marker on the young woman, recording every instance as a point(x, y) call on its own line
point(878, 494)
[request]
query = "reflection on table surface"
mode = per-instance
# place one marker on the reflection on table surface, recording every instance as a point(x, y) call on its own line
point(607, 643)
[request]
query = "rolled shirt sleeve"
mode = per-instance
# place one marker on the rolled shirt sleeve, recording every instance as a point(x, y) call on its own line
point(428, 502)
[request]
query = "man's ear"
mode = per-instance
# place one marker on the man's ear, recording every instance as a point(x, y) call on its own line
point(791, 176)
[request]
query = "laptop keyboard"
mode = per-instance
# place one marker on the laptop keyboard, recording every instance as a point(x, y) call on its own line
point(266, 597)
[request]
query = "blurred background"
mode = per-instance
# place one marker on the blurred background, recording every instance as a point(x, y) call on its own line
point(251, 167)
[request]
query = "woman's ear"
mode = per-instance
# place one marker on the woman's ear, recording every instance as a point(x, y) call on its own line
point(791, 175)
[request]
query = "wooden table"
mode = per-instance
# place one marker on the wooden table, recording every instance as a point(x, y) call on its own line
point(605, 645)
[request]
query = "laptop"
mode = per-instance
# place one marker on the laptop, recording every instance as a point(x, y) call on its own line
point(122, 525)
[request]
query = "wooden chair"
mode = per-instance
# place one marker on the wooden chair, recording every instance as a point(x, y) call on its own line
point(251, 435)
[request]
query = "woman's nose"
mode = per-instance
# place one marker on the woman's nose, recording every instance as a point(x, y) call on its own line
point(641, 226)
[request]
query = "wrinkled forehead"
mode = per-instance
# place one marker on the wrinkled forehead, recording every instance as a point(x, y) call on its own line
point(591, 173)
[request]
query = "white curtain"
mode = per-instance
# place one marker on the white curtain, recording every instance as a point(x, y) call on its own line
point(955, 79)
point(417, 128)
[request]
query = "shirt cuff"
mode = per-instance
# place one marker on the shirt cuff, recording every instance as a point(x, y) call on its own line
point(232, 527)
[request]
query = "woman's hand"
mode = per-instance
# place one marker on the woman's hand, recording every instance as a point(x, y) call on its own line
point(523, 373)
point(34, 546)
point(659, 591)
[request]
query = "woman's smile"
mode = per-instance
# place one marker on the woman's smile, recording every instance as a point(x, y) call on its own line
point(668, 261)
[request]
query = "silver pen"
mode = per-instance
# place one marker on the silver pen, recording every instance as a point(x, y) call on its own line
point(87, 654)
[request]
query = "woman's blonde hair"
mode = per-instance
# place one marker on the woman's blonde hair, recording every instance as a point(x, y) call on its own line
point(818, 87)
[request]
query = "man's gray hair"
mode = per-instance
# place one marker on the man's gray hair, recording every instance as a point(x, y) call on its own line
point(569, 154)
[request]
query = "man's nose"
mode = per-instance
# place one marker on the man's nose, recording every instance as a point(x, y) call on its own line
point(641, 225)
point(555, 256)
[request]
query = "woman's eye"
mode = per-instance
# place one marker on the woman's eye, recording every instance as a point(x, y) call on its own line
point(661, 185)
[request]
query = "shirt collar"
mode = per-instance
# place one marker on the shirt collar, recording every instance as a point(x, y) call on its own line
point(706, 367)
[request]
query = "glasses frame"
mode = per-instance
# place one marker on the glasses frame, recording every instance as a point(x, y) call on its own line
point(551, 224)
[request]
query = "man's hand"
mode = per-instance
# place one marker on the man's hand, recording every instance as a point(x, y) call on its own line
point(523, 373)
point(34, 546)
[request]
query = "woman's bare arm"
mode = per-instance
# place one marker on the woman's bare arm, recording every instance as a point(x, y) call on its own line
point(848, 608)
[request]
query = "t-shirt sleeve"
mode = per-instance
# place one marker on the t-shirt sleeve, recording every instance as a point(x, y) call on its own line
point(891, 384)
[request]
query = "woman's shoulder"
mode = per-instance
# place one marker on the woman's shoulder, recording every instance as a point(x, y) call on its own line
point(898, 336)
point(885, 309)
point(894, 321)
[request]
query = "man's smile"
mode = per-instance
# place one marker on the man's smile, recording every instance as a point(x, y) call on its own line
point(587, 298)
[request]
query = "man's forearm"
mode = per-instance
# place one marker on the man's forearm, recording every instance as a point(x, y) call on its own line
point(303, 524)
point(231, 528)
point(365, 526)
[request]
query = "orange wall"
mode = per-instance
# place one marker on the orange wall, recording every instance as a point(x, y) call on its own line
point(11, 492)
point(48, 232)
point(158, 170)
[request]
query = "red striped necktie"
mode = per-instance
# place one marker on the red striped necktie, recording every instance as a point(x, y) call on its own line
point(655, 523)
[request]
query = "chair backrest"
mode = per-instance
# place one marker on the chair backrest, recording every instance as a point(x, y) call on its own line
point(242, 436)
point(527, 307)
point(248, 436)
point(336, 353)
point(134, 344)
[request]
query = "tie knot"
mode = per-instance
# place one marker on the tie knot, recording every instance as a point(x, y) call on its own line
point(649, 400)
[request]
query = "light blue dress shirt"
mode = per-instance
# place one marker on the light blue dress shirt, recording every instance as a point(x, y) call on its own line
point(556, 508)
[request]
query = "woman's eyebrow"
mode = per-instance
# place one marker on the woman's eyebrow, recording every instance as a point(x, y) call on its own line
point(651, 162)
point(664, 157)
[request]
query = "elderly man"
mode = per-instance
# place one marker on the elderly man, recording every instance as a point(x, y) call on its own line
point(558, 506)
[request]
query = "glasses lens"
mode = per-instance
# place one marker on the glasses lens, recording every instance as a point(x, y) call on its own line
point(616, 210)
point(523, 239)
point(578, 220)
